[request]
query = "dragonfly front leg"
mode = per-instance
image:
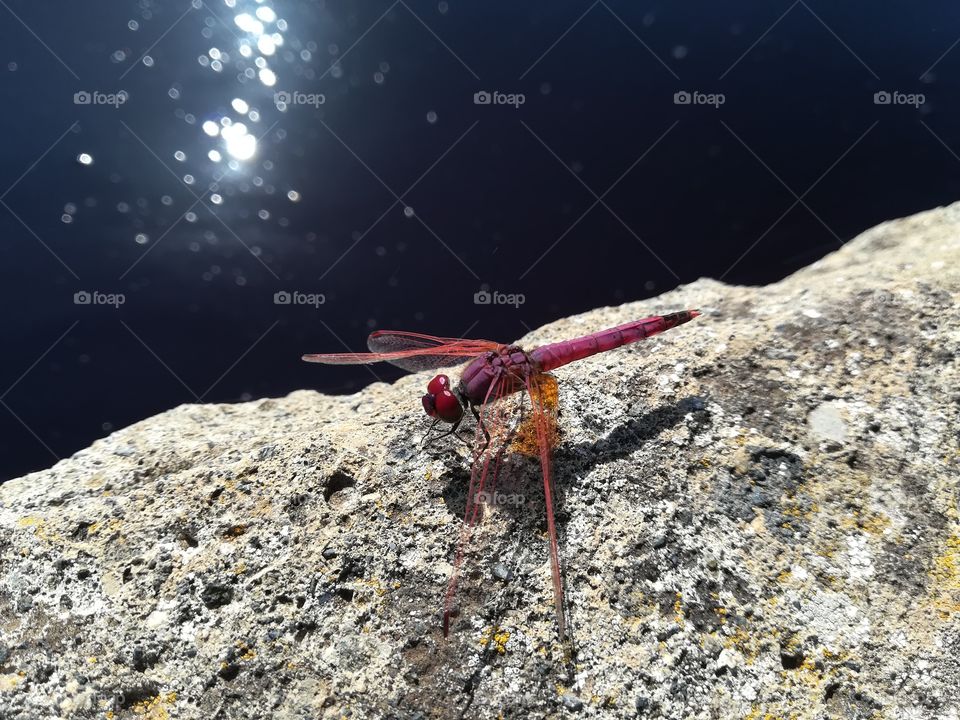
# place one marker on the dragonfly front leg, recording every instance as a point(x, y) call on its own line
point(451, 431)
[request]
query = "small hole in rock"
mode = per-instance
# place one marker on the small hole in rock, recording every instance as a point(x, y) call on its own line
point(337, 482)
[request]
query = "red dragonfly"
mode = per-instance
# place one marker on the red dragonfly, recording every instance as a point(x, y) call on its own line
point(496, 373)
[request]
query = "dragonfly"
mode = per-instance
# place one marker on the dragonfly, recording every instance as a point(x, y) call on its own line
point(494, 374)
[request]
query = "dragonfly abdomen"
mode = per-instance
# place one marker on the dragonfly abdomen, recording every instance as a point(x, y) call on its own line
point(550, 357)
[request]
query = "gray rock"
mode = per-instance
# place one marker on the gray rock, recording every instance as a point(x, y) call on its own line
point(757, 516)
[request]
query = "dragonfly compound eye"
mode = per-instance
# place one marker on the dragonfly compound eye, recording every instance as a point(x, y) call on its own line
point(438, 385)
point(447, 407)
point(428, 405)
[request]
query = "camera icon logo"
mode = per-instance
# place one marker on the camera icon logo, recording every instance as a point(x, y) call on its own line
point(82, 298)
point(882, 98)
point(482, 97)
point(281, 98)
point(682, 97)
point(82, 98)
point(282, 297)
point(482, 298)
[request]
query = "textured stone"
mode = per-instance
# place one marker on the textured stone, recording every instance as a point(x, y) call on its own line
point(757, 516)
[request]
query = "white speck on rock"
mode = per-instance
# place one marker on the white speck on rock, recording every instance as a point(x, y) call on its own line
point(826, 422)
point(157, 618)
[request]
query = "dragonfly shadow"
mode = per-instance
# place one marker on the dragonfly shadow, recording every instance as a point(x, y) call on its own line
point(630, 436)
point(518, 497)
point(518, 474)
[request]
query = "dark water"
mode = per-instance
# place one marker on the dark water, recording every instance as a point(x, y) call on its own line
point(397, 197)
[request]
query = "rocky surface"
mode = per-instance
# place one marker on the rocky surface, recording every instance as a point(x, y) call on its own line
point(757, 512)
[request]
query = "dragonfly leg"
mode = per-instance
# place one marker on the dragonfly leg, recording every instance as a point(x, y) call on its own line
point(423, 443)
point(451, 431)
point(486, 435)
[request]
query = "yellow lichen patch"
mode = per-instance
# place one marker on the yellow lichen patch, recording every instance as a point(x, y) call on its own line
point(757, 713)
point(245, 653)
point(234, 531)
point(9, 681)
point(374, 585)
point(754, 714)
point(868, 522)
point(945, 575)
point(678, 610)
point(745, 643)
point(496, 638)
point(805, 684)
point(946, 567)
point(155, 708)
point(111, 526)
point(40, 529)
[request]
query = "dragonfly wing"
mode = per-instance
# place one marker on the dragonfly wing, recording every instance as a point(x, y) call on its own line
point(415, 352)
point(543, 398)
point(410, 351)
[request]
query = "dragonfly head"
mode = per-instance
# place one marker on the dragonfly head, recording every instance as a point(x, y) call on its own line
point(440, 402)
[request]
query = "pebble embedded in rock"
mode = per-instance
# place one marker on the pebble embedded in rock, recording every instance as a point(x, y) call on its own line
point(827, 424)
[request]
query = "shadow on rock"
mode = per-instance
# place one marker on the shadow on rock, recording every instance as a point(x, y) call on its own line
point(520, 476)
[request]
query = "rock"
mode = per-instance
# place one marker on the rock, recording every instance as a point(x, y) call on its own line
point(757, 517)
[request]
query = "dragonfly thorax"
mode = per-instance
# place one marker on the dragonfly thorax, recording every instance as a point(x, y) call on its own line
point(509, 363)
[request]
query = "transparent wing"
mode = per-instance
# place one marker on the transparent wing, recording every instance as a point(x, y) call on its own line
point(543, 397)
point(410, 351)
point(491, 439)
